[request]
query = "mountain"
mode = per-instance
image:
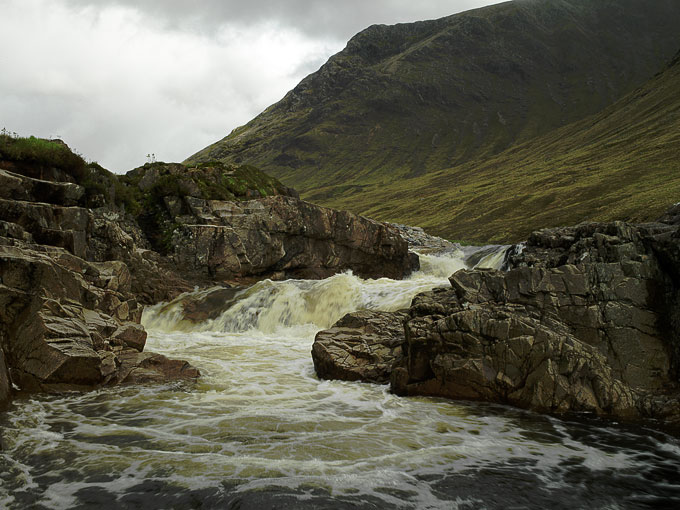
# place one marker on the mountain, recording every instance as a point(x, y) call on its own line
point(407, 100)
point(620, 164)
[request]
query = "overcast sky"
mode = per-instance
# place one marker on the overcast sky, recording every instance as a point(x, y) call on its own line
point(119, 79)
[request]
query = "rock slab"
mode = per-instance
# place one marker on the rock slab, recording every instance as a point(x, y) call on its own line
point(362, 346)
point(286, 236)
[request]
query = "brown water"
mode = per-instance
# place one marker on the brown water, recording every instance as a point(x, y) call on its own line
point(259, 430)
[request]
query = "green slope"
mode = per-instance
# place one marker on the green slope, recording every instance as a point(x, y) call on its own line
point(405, 100)
point(623, 163)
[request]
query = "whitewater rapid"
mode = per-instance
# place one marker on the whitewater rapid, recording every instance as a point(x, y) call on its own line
point(260, 430)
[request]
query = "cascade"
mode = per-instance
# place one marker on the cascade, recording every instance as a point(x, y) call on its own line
point(260, 430)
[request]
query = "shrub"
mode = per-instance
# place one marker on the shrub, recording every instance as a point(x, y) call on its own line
point(48, 153)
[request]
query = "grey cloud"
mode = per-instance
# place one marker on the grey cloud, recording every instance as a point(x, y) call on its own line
point(169, 78)
point(330, 19)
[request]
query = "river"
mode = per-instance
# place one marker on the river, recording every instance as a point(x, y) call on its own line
point(259, 430)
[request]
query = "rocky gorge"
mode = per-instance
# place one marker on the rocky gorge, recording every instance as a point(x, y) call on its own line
point(583, 321)
point(580, 320)
point(82, 251)
point(225, 272)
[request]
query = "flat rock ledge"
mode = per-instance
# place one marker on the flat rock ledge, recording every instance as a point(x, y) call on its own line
point(284, 237)
point(586, 320)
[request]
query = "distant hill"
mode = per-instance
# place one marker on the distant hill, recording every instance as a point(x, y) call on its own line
point(400, 102)
point(622, 163)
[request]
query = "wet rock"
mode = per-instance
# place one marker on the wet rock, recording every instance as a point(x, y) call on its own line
point(505, 354)
point(5, 385)
point(130, 335)
point(362, 346)
point(149, 367)
point(208, 304)
point(585, 319)
point(578, 324)
point(62, 315)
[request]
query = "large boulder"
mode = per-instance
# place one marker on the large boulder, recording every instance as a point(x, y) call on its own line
point(286, 236)
point(148, 367)
point(507, 354)
point(362, 346)
point(578, 324)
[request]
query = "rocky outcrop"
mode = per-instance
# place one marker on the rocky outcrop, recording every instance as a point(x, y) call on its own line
point(69, 307)
point(584, 320)
point(285, 237)
point(362, 346)
point(578, 324)
point(67, 323)
point(221, 223)
point(74, 277)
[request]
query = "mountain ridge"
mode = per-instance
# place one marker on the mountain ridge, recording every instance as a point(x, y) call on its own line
point(404, 100)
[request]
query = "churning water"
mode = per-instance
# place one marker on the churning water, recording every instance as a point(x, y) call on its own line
point(259, 430)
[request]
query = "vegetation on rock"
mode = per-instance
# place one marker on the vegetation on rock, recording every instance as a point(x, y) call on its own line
point(156, 193)
point(40, 155)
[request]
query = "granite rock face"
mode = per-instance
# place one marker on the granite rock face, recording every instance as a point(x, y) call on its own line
point(585, 319)
point(67, 323)
point(580, 323)
point(220, 223)
point(286, 237)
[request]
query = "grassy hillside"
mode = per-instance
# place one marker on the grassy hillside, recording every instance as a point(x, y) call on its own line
point(623, 163)
point(406, 100)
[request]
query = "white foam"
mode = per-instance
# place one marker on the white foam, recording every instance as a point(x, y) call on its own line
point(259, 416)
point(269, 306)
